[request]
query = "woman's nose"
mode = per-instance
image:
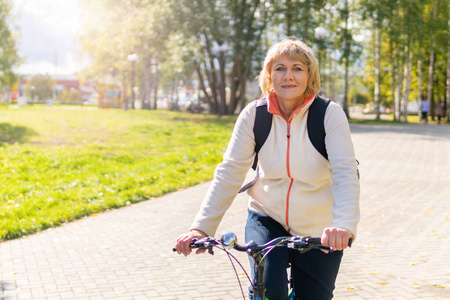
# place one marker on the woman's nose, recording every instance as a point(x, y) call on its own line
point(288, 75)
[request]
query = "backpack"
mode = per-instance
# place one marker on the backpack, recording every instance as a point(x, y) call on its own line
point(314, 123)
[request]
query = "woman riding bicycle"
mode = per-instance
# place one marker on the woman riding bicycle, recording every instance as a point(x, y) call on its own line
point(298, 192)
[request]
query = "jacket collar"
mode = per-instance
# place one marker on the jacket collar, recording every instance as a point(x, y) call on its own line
point(274, 108)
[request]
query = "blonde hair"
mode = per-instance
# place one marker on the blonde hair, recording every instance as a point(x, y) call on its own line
point(296, 50)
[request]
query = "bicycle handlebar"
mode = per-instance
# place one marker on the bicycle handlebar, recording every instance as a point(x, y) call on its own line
point(230, 240)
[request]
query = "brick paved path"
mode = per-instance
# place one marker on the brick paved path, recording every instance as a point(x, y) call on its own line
point(402, 250)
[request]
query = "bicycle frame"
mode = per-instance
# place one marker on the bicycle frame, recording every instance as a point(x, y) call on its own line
point(258, 253)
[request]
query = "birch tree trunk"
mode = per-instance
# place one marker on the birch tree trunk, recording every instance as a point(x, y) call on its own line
point(431, 66)
point(213, 76)
point(202, 83)
point(407, 78)
point(398, 85)
point(211, 85)
point(447, 94)
point(289, 17)
point(155, 89)
point(430, 80)
point(222, 86)
point(347, 59)
point(124, 91)
point(393, 69)
point(377, 70)
point(145, 94)
point(420, 67)
point(419, 85)
point(333, 79)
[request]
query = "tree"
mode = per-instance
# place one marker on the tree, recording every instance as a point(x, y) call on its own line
point(8, 50)
point(72, 96)
point(301, 19)
point(377, 12)
point(221, 43)
point(411, 30)
point(113, 30)
point(303, 10)
point(432, 58)
point(227, 34)
point(349, 47)
point(40, 87)
point(448, 65)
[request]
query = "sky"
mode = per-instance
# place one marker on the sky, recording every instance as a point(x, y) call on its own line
point(48, 36)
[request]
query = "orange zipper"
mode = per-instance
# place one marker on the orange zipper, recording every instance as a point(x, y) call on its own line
point(289, 174)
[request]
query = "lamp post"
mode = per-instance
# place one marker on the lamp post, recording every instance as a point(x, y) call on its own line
point(320, 33)
point(133, 58)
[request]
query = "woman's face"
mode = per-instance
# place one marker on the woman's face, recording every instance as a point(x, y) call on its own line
point(289, 79)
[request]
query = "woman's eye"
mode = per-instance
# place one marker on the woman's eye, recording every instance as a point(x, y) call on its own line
point(279, 69)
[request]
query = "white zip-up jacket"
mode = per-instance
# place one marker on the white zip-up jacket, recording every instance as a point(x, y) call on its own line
point(297, 186)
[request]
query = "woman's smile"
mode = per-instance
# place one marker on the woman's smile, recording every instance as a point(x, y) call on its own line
point(288, 86)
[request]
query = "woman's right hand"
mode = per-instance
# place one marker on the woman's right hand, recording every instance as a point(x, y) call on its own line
point(184, 240)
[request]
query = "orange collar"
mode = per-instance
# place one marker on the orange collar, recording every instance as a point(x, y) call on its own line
point(274, 108)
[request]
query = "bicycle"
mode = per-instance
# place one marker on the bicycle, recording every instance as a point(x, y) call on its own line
point(257, 254)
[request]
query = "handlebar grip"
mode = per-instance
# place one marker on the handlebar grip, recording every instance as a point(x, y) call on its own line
point(314, 240)
point(240, 248)
point(192, 245)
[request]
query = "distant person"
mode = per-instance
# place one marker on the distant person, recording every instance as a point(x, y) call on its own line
point(424, 108)
point(439, 110)
point(298, 191)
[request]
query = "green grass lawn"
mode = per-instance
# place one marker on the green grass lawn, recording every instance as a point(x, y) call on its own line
point(62, 163)
point(59, 164)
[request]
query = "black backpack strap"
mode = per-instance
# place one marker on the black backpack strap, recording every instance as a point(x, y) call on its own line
point(261, 128)
point(316, 124)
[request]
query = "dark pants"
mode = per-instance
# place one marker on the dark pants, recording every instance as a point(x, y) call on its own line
point(314, 272)
point(425, 116)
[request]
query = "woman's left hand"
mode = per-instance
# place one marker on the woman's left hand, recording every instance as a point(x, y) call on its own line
point(337, 238)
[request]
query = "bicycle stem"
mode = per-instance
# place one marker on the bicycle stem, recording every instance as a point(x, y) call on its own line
point(259, 289)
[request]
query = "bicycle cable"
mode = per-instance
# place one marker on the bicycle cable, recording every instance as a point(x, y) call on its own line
point(231, 257)
point(270, 249)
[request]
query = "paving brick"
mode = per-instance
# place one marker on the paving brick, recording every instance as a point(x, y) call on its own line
point(402, 250)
